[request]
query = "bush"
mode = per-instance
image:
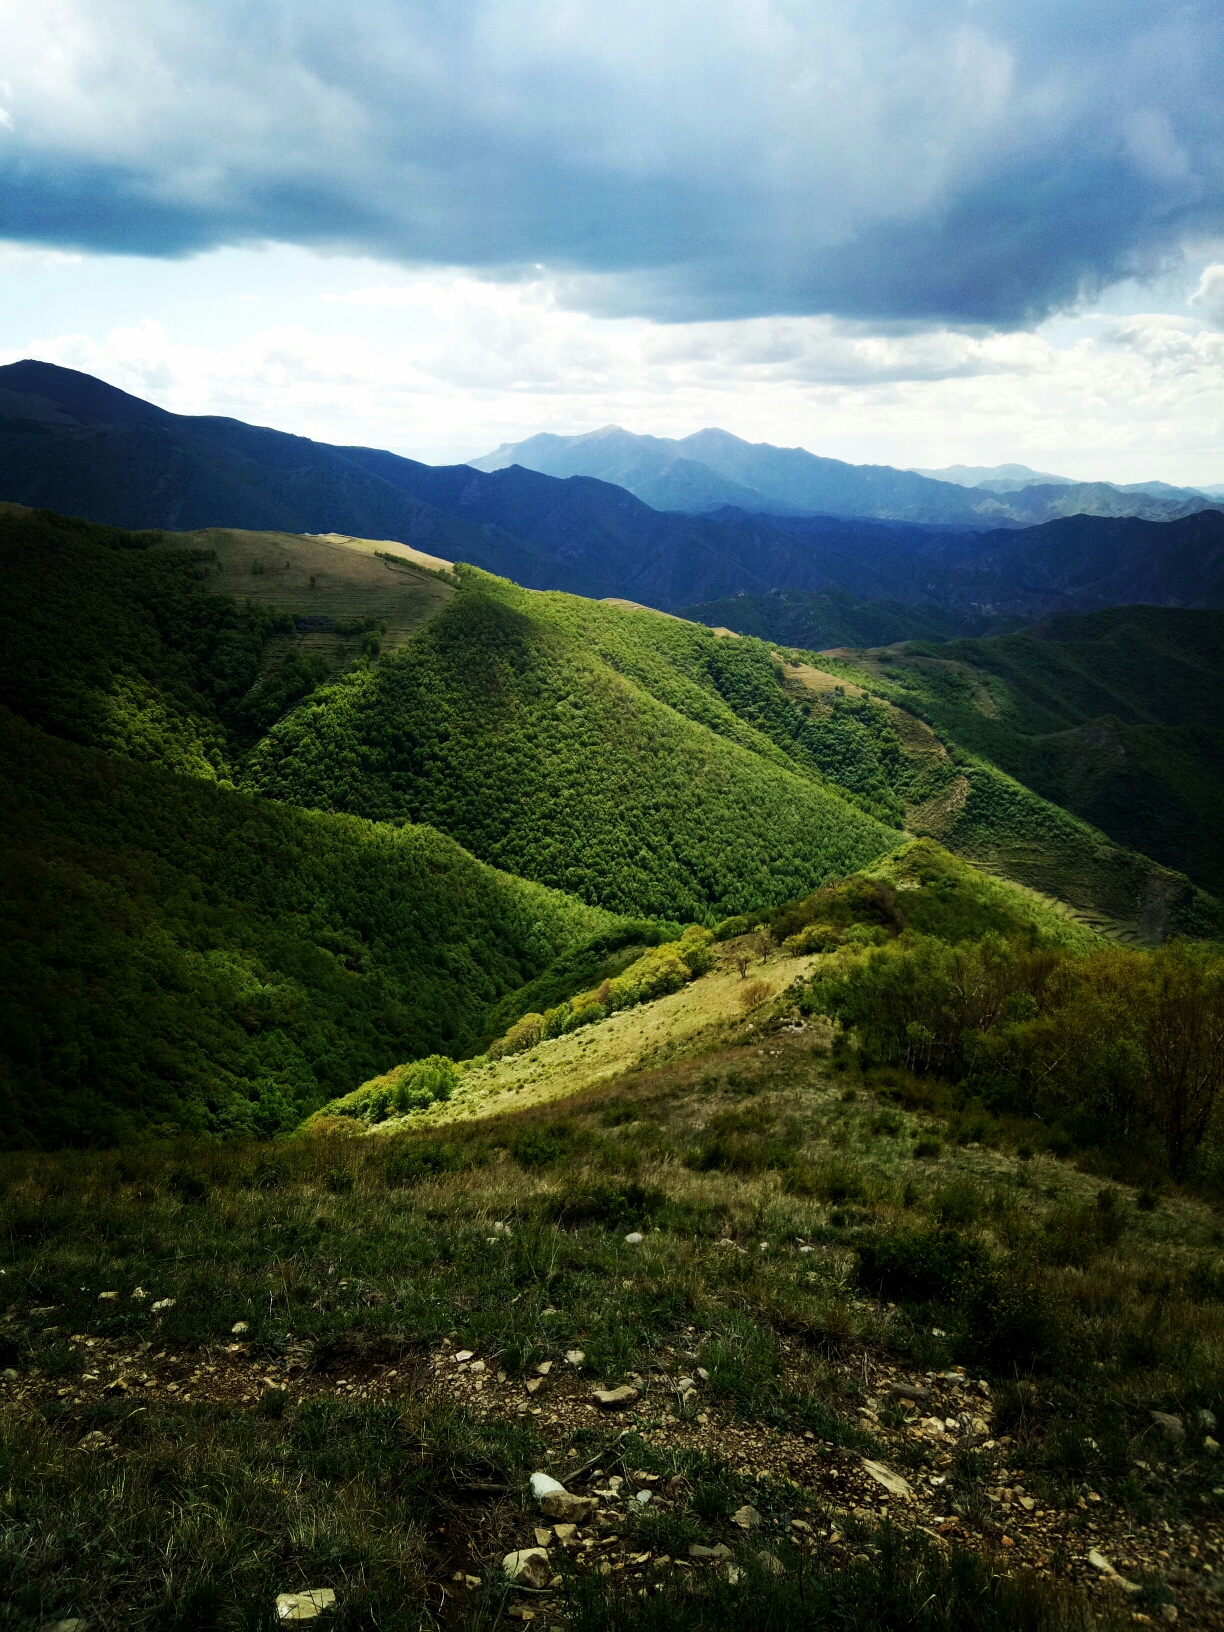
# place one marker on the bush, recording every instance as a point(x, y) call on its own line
point(524, 1034)
point(813, 938)
point(407, 1164)
point(917, 1266)
point(755, 994)
point(600, 1202)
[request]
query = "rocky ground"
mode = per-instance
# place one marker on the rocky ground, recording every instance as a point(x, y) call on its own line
point(809, 1494)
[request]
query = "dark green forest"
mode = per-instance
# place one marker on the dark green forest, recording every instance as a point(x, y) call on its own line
point(634, 760)
point(1116, 716)
point(177, 955)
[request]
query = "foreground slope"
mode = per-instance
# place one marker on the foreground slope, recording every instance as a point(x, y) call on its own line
point(876, 1352)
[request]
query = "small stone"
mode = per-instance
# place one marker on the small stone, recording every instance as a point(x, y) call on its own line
point(1027, 1503)
point(893, 1483)
point(615, 1399)
point(1211, 1446)
point(696, 1550)
point(773, 1565)
point(575, 1356)
point(684, 1384)
point(932, 1425)
point(565, 1534)
point(74, 1623)
point(909, 1391)
point(138, 1293)
point(1206, 1420)
point(543, 1535)
point(1170, 1426)
point(465, 1354)
point(529, 1567)
point(162, 1303)
point(544, 1367)
point(10, 1375)
point(96, 1441)
point(534, 1383)
point(643, 1498)
point(746, 1517)
point(1168, 1612)
point(1101, 1563)
point(108, 1297)
point(634, 1237)
point(476, 1367)
point(304, 1606)
point(237, 1330)
point(703, 1374)
point(559, 1503)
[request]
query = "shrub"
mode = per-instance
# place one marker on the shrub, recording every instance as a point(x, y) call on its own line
point(600, 1202)
point(813, 938)
point(917, 1266)
point(524, 1034)
point(755, 994)
point(406, 1164)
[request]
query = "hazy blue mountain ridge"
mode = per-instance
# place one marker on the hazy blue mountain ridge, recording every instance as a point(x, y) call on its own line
point(792, 481)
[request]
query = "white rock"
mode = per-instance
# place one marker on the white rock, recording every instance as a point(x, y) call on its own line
point(746, 1517)
point(162, 1303)
point(543, 1484)
point(529, 1566)
point(544, 1367)
point(892, 1482)
point(108, 1297)
point(139, 1292)
point(304, 1606)
point(557, 1502)
point(477, 1366)
point(466, 1354)
point(1100, 1562)
point(575, 1356)
point(634, 1237)
point(643, 1497)
point(237, 1329)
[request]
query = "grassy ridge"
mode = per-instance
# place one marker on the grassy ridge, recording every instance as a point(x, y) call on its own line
point(1115, 716)
point(633, 760)
point(178, 955)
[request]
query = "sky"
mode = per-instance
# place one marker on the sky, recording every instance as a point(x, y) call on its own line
point(883, 230)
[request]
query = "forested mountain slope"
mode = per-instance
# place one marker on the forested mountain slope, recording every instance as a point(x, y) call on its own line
point(1117, 716)
point(178, 955)
point(638, 761)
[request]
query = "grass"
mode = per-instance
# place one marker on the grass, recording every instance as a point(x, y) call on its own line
point(327, 1445)
point(326, 580)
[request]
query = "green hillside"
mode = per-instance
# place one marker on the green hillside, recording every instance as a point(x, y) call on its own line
point(814, 620)
point(1116, 716)
point(176, 955)
point(637, 761)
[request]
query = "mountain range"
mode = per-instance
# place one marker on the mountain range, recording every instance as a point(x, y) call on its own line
point(712, 468)
point(71, 443)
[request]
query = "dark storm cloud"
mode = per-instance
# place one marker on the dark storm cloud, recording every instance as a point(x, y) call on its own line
point(877, 159)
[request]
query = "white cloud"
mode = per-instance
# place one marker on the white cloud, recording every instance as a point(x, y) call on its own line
point(1210, 294)
point(446, 366)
